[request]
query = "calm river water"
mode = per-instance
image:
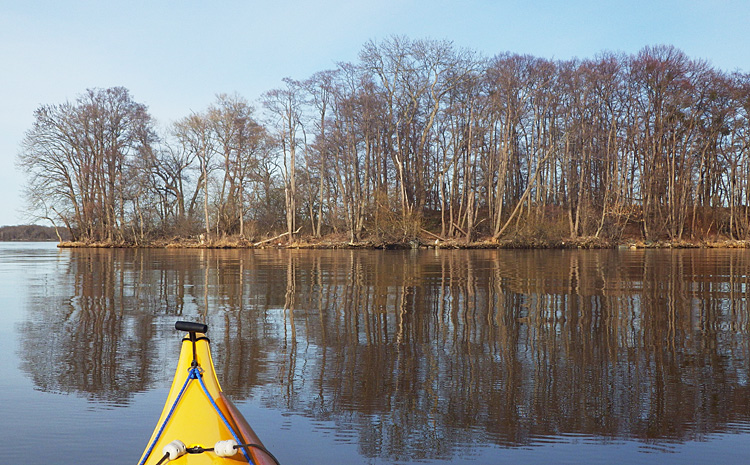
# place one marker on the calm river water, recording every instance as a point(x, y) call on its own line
point(379, 357)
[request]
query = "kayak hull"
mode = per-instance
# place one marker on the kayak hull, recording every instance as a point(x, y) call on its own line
point(198, 414)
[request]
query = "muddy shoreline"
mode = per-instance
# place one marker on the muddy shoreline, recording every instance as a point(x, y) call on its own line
point(483, 243)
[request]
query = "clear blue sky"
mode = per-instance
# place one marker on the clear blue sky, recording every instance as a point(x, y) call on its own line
point(175, 56)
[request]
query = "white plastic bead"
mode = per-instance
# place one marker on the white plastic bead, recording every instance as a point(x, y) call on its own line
point(226, 448)
point(175, 449)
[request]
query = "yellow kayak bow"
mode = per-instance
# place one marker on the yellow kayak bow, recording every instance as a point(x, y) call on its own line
point(198, 424)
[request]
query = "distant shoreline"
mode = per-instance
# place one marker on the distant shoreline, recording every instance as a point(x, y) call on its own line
point(32, 233)
point(29, 240)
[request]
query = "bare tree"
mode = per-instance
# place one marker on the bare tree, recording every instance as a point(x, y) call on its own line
point(285, 107)
point(195, 135)
point(239, 139)
point(75, 155)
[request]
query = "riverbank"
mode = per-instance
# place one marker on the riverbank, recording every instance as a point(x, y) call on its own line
point(335, 242)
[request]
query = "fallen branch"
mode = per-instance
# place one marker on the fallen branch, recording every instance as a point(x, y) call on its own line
point(275, 237)
point(432, 234)
point(459, 228)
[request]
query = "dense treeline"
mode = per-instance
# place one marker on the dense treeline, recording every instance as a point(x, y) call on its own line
point(416, 135)
point(32, 232)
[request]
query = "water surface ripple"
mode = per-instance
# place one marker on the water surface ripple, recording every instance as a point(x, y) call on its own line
point(365, 357)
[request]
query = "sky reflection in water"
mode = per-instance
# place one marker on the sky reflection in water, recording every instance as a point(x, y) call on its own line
point(394, 356)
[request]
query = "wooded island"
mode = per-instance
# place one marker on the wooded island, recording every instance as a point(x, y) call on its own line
point(417, 141)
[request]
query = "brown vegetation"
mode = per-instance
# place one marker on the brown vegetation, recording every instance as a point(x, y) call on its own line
point(418, 142)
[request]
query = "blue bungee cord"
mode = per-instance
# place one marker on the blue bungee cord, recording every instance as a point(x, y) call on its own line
point(166, 420)
point(223, 418)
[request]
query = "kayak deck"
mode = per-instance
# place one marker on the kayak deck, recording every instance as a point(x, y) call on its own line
point(198, 415)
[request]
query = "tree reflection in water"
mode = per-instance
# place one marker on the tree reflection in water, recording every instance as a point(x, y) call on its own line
point(419, 353)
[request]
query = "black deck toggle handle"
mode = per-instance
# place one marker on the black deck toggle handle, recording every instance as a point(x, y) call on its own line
point(191, 327)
